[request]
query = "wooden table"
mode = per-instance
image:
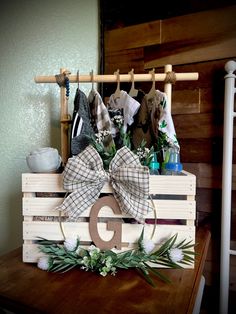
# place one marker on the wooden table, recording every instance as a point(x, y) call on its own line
point(26, 289)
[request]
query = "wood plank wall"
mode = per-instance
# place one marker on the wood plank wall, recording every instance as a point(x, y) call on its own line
point(200, 42)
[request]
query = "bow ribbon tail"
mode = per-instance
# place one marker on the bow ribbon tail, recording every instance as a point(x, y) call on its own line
point(136, 206)
point(80, 200)
point(130, 183)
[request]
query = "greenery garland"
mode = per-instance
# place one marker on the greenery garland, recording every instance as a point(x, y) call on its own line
point(64, 257)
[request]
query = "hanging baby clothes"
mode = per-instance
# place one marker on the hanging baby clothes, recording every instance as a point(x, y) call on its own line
point(100, 118)
point(141, 128)
point(127, 104)
point(152, 117)
point(161, 118)
point(81, 123)
point(139, 98)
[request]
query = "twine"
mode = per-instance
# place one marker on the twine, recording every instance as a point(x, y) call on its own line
point(170, 77)
point(155, 217)
point(61, 78)
point(60, 222)
point(61, 227)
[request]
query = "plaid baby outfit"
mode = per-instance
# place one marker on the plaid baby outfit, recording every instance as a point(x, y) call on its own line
point(100, 117)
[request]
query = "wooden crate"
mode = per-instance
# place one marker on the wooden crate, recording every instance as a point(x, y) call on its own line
point(174, 198)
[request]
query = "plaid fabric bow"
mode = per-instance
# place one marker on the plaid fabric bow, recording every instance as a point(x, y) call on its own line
point(84, 176)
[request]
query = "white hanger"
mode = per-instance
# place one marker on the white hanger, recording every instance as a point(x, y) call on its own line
point(117, 92)
point(152, 91)
point(133, 91)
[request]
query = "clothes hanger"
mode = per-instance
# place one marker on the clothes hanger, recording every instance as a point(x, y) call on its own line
point(152, 91)
point(133, 91)
point(117, 92)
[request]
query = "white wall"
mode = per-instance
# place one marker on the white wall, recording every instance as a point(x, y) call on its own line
point(37, 38)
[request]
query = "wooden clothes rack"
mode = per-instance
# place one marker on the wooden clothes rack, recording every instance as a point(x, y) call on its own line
point(109, 79)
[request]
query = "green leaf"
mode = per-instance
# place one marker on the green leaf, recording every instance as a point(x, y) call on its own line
point(188, 252)
point(146, 276)
point(61, 260)
point(163, 124)
point(63, 267)
point(141, 239)
point(161, 276)
point(166, 246)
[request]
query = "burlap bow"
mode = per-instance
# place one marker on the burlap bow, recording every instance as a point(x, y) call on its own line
point(85, 176)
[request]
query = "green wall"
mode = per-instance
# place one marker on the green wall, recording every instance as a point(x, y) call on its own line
point(37, 38)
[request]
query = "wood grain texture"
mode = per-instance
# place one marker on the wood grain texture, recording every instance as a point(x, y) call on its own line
point(187, 100)
point(68, 292)
point(135, 36)
point(208, 175)
point(167, 209)
point(203, 150)
point(124, 60)
point(224, 48)
point(203, 125)
point(166, 185)
point(196, 44)
point(201, 26)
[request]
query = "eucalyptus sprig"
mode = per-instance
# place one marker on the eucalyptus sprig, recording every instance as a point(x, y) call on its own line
point(145, 154)
point(63, 257)
point(107, 152)
point(124, 136)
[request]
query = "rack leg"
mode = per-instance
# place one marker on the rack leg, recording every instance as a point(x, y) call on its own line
point(64, 124)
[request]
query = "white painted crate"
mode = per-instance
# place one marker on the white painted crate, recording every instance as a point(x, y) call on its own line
point(174, 203)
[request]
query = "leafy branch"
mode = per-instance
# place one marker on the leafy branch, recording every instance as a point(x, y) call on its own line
point(63, 257)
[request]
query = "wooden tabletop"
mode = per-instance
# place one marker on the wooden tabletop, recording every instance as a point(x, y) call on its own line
point(26, 289)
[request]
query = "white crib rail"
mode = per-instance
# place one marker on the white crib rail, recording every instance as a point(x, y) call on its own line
point(229, 116)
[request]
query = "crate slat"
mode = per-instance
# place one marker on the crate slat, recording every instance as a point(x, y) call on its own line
point(130, 234)
point(178, 185)
point(184, 184)
point(165, 209)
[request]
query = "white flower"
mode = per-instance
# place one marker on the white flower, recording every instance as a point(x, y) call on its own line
point(176, 255)
point(93, 249)
point(70, 244)
point(142, 152)
point(100, 136)
point(148, 245)
point(43, 263)
point(117, 120)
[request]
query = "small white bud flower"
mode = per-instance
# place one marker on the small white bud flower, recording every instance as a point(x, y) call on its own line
point(148, 245)
point(70, 244)
point(176, 255)
point(43, 263)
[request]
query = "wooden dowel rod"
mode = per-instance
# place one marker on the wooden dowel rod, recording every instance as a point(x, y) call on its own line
point(110, 78)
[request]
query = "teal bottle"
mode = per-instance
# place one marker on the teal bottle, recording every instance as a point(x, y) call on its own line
point(154, 165)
